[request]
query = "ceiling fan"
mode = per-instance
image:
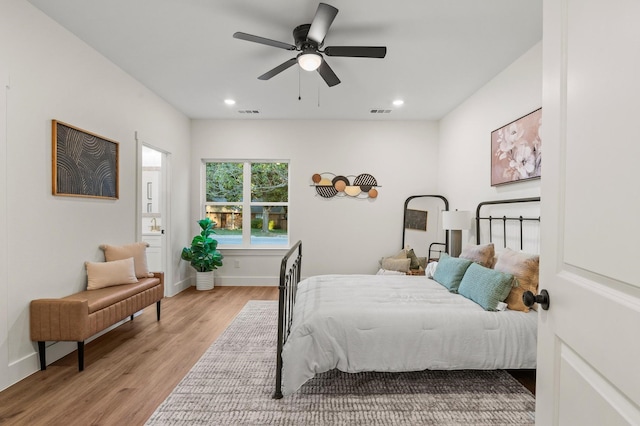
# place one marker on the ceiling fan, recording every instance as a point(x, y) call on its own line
point(309, 38)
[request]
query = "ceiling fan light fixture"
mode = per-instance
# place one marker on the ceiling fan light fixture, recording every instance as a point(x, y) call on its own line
point(309, 61)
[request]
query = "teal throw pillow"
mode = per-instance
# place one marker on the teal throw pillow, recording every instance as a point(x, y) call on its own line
point(450, 271)
point(487, 287)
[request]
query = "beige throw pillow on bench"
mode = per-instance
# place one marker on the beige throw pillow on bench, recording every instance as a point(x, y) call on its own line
point(136, 250)
point(107, 274)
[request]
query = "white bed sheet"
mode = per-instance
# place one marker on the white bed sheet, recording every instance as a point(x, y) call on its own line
point(398, 323)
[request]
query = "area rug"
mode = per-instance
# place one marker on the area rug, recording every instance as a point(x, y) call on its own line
point(233, 384)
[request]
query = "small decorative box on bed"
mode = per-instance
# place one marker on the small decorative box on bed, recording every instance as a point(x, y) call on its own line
point(469, 316)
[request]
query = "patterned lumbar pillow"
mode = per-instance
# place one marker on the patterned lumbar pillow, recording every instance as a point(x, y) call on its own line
point(450, 271)
point(482, 254)
point(526, 268)
point(107, 274)
point(136, 250)
point(400, 265)
point(487, 287)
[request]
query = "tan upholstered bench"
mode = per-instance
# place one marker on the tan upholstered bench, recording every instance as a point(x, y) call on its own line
point(81, 315)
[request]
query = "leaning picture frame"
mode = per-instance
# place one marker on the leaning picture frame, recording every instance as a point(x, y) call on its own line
point(516, 153)
point(83, 164)
point(415, 219)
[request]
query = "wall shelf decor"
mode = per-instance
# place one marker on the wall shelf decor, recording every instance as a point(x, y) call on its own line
point(83, 164)
point(329, 185)
point(516, 153)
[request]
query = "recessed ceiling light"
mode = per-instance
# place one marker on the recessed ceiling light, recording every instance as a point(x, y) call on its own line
point(398, 102)
point(229, 101)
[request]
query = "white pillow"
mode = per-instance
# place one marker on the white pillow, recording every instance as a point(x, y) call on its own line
point(107, 274)
point(431, 269)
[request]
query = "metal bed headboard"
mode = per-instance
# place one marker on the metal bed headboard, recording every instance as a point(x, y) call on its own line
point(504, 219)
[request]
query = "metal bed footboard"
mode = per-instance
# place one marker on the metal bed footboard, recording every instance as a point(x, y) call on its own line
point(289, 279)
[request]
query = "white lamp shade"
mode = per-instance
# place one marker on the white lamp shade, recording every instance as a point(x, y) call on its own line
point(456, 220)
point(309, 61)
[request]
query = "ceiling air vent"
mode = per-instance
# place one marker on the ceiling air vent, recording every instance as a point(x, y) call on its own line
point(249, 111)
point(380, 111)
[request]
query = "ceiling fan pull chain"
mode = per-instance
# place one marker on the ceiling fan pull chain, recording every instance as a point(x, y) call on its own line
point(299, 84)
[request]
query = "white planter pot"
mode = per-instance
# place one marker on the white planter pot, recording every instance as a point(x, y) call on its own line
point(204, 280)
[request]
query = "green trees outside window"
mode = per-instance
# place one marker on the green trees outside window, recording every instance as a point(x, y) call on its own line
point(261, 188)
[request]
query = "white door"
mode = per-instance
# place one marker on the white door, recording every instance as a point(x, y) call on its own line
point(589, 339)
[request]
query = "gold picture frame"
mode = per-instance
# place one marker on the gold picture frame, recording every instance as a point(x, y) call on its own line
point(83, 164)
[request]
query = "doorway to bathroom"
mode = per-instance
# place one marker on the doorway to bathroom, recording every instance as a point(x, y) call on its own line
point(153, 207)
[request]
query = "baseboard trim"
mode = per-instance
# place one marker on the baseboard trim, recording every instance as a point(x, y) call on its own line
point(179, 286)
point(30, 364)
point(248, 281)
point(21, 369)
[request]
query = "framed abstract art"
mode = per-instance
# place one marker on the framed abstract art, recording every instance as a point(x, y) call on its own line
point(83, 164)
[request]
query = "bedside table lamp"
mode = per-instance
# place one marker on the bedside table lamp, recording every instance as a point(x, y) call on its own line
point(455, 222)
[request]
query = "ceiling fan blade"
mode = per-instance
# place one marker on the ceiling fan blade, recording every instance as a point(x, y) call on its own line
point(327, 74)
point(262, 40)
point(321, 22)
point(277, 70)
point(356, 51)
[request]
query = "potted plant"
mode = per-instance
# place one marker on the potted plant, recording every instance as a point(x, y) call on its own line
point(203, 255)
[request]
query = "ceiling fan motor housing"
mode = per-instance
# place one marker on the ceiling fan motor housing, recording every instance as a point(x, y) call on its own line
point(300, 37)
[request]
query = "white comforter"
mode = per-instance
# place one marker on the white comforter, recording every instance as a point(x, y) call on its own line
point(398, 323)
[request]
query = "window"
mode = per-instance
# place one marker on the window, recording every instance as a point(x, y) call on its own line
point(249, 201)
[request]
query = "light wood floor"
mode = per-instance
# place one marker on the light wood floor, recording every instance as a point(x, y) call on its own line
point(130, 370)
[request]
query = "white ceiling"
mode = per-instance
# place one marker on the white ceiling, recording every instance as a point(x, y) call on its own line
point(439, 52)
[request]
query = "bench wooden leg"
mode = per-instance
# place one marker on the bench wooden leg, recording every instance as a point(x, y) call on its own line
point(158, 310)
point(43, 356)
point(81, 356)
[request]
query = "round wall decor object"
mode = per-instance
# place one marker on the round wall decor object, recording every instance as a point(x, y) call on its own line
point(352, 191)
point(365, 181)
point(326, 191)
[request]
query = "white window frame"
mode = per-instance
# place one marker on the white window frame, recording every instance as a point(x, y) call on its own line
point(246, 203)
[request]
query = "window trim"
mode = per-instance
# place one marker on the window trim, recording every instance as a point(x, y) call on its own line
point(246, 202)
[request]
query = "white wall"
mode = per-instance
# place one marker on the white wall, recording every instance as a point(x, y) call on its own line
point(53, 75)
point(464, 157)
point(340, 235)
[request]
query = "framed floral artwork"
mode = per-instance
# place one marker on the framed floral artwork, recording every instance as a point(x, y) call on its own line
point(516, 153)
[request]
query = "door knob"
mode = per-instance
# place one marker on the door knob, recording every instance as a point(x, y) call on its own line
point(529, 299)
